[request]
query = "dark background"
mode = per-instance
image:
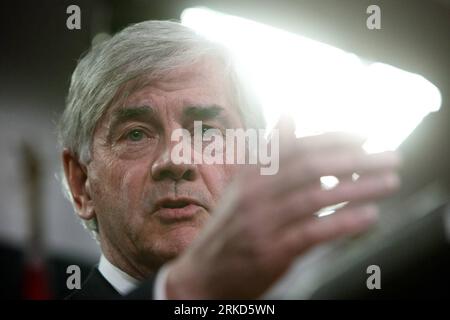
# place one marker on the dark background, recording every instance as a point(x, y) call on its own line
point(38, 54)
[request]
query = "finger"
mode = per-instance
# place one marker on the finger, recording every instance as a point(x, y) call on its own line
point(311, 168)
point(322, 143)
point(286, 132)
point(303, 204)
point(345, 178)
point(345, 222)
point(331, 140)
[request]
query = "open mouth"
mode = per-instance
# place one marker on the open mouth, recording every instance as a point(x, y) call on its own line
point(173, 204)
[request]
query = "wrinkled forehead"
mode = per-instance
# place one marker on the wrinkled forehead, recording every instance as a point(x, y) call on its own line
point(203, 83)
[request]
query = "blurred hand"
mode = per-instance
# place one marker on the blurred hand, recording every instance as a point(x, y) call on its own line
point(265, 222)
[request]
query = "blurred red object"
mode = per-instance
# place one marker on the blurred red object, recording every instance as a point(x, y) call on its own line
point(36, 285)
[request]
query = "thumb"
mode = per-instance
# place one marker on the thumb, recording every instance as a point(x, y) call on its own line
point(286, 128)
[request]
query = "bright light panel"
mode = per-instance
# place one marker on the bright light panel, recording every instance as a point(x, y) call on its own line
point(322, 87)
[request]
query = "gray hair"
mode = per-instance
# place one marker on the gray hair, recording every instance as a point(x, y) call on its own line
point(141, 52)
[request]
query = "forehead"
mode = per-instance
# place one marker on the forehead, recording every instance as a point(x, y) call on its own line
point(202, 83)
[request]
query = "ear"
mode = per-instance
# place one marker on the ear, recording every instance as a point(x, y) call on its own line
point(78, 182)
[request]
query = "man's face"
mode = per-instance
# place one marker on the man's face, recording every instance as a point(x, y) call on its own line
point(148, 208)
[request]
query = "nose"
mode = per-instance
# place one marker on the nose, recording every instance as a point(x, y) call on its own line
point(165, 168)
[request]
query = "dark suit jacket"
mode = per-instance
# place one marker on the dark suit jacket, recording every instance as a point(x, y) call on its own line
point(96, 287)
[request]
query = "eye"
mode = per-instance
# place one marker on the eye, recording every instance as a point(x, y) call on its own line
point(136, 135)
point(208, 132)
point(205, 129)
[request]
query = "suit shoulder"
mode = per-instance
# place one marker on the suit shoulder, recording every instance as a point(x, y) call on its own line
point(95, 287)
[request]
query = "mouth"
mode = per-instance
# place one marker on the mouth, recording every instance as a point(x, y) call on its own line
point(171, 210)
point(176, 203)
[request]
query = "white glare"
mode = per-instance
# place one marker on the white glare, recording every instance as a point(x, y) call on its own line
point(323, 87)
point(329, 182)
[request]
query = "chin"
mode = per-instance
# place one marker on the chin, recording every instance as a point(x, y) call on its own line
point(181, 237)
point(173, 242)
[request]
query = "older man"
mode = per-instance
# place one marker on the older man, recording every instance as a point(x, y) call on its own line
point(171, 230)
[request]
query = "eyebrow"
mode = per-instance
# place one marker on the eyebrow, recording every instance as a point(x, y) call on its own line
point(204, 112)
point(120, 116)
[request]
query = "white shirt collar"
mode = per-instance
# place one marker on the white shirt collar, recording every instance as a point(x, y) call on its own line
point(121, 281)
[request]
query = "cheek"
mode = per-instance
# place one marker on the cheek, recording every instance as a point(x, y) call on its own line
point(133, 182)
point(217, 177)
point(120, 187)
